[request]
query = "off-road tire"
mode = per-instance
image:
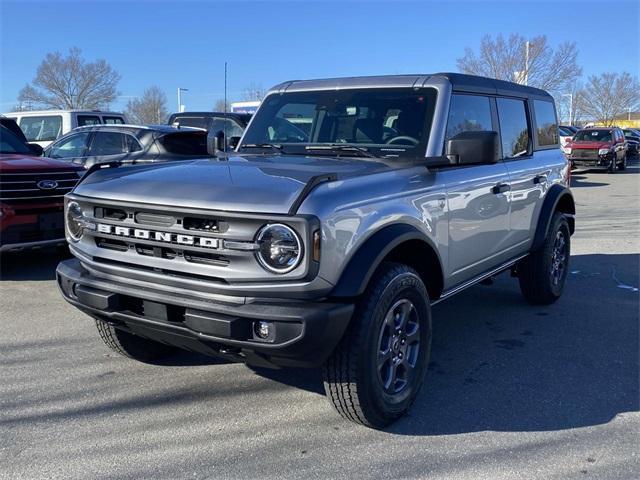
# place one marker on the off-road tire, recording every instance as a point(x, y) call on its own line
point(352, 379)
point(130, 345)
point(535, 271)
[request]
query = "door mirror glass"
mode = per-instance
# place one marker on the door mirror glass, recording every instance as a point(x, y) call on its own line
point(36, 149)
point(467, 148)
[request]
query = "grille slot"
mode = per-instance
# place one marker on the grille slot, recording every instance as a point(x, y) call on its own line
point(206, 258)
point(112, 244)
point(110, 213)
point(21, 186)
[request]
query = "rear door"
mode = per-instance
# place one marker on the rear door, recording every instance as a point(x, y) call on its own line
point(477, 196)
point(529, 170)
point(109, 146)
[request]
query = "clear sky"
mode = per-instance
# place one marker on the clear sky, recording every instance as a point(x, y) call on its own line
point(185, 43)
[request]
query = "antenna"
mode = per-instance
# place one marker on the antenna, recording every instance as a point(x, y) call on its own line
point(225, 107)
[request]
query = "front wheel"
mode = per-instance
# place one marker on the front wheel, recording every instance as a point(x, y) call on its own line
point(614, 164)
point(375, 373)
point(623, 164)
point(543, 273)
point(130, 345)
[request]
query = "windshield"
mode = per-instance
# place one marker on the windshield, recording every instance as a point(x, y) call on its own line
point(385, 122)
point(593, 136)
point(9, 143)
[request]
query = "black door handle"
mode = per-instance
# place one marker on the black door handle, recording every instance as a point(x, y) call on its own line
point(539, 179)
point(501, 188)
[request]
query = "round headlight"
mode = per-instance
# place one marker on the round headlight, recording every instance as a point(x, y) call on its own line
point(75, 221)
point(280, 248)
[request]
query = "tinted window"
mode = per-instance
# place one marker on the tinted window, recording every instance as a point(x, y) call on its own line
point(41, 129)
point(198, 122)
point(88, 120)
point(514, 129)
point(72, 146)
point(113, 120)
point(185, 143)
point(9, 143)
point(565, 132)
point(593, 135)
point(468, 113)
point(547, 126)
point(227, 125)
point(108, 143)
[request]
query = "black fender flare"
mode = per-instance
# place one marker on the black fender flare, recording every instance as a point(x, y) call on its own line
point(556, 195)
point(371, 253)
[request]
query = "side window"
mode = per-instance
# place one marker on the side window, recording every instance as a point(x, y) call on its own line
point(132, 144)
point(514, 128)
point(88, 120)
point(547, 126)
point(113, 120)
point(232, 127)
point(108, 143)
point(72, 146)
point(41, 129)
point(468, 113)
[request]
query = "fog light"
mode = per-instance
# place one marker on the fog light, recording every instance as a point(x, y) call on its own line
point(262, 329)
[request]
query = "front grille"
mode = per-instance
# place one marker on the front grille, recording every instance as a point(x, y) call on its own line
point(36, 186)
point(586, 153)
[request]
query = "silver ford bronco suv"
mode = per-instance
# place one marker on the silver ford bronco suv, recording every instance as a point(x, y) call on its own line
point(347, 209)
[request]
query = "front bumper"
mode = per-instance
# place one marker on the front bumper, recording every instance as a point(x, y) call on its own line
point(301, 333)
point(602, 162)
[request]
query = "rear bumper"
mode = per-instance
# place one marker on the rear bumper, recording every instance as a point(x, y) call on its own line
point(300, 333)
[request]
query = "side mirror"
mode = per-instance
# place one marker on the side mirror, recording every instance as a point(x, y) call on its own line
point(468, 148)
point(233, 142)
point(36, 149)
point(215, 143)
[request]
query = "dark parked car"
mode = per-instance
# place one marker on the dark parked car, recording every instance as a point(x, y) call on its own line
point(633, 141)
point(31, 194)
point(598, 148)
point(128, 144)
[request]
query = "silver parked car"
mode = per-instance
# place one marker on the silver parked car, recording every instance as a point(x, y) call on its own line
point(348, 209)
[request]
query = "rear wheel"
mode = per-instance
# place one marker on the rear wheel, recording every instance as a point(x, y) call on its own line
point(375, 373)
point(130, 345)
point(543, 273)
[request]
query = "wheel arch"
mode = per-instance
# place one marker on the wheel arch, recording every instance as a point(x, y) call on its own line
point(400, 243)
point(558, 199)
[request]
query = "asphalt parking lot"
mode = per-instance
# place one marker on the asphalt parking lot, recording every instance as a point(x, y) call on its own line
point(513, 391)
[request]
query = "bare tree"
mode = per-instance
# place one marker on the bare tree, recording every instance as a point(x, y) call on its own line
point(151, 108)
point(609, 95)
point(542, 67)
point(253, 91)
point(68, 82)
point(221, 106)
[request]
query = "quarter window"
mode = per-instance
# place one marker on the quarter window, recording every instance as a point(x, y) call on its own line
point(41, 129)
point(84, 120)
point(468, 113)
point(72, 146)
point(514, 128)
point(547, 125)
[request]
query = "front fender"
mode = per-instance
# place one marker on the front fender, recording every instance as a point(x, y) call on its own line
point(370, 255)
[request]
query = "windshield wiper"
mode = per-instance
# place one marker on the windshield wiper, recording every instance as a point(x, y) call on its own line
point(274, 146)
point(361, 151)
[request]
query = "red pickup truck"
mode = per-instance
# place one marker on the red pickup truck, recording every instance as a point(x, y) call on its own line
point(31, 194)
point(598, 148)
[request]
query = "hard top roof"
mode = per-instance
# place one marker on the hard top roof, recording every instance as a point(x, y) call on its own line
point(459, 82)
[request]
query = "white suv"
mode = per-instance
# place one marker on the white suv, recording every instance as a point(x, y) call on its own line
point(44, 126)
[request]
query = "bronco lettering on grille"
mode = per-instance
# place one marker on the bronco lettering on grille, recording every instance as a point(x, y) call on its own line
point(166, 237)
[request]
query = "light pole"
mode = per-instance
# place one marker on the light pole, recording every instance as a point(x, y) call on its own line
point(180, 106)
point(570, 95)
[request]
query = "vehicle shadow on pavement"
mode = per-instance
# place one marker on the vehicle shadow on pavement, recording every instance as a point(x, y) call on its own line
point(31, 264)
point(580, 181)
point(498, 363)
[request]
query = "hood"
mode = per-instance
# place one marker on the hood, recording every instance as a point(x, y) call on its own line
point(17, 163)
point(587, 144)
point(259, 184)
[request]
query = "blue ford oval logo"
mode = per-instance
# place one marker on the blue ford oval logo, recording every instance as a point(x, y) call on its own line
point(47, 184)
